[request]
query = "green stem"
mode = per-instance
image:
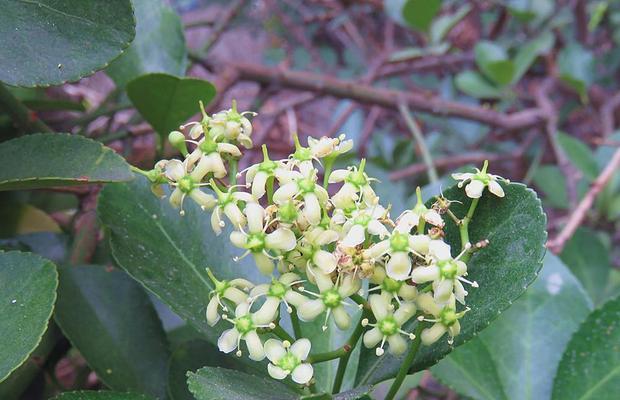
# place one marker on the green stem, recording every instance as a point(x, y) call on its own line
point(232, 170)
point(296, 325)
point(349, 346)
point(404, 367)
point(464, 228)
point(26, 120)
point(282, 334)
point(270, 190)
point(329, 164)
point(328, 355)
point(359, 300)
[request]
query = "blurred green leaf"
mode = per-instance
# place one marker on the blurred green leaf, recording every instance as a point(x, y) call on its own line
point(109, 318)
point(51, 42)
point(579, 155)
point(420, 13)
point(527, 54)
point(102, 395)
point(212, 383)
point(166, 101)
point(550, 180)
point(529, 10)
point(27, 292)
point(517, 356)
point(48, 159)
point(442, 25)
point(597, 15)
point(159, 45)
point(493, 61)
point(515, 227)
point(576, 67)
point(475, 85)
point(588, 258)
point(590, 366)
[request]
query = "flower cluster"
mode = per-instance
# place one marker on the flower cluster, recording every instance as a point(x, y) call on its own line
point(324, 240)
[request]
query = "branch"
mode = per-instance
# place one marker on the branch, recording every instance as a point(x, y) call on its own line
point(221, 24)
point(25, 119)
point(387, 98)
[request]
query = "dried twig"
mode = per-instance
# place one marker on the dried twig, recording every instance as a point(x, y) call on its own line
point(221, 24)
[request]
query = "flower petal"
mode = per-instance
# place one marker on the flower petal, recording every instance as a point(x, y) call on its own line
point(379, 306)
point(341, 317)
point(227, 342)
point(496, 188)
point(276, 372)
point(281, 239)
point(256, 216)
point(310, 309)
point(274, 350)
point(255, 346)
point(397, 343)
point(301, 348)
point(355, 236)
point(399, 266)
point(474, 189)
point(372, 337)
point(302, 373)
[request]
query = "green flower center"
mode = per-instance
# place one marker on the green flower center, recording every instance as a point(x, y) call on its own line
point(357, 179)
point(388, 326)
point(302, 154)
point(287, 212)
point(288, 362)
point(447, 269)
point(447, 316)
point(221, 286)
point(267, 166)
point(399, 241)
point(244, 324)
point(277, 289)
point(362, 220)
point(331, 298)
point(255, 242)
point(306, 185)
point(482, 177)
point(390, 285)
point(186, 184)
point(208, 146)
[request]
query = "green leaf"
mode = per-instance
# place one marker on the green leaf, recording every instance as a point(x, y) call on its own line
point(517, 356)
point(443, 24)
point(111, 321)
point(49, 42)
point(550, 180)
point(588, 258)
point(159, 45)
point(213, 383)
point(420, 13)
point(528, 53)
point(168, 253)
point(103, 395)
point(515, 227)
point(494, 63)
point(47, 160)
point(27, 295)
point(576, 67)
point(166, 101)
point(476, 85)
point(590, 366)
point(579, 155)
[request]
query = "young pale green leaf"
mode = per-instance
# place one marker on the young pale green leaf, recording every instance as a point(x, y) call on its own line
point(476, 85)
point(419, 14)
point(515, 228)
point(443, 24)
point(494, 63)
point(159, 45)
point(588, 258)
point(576, 65)
point(517, 356)
point(27, 295)
point(168, 253)
point(166, 101)
point(109, 318)
point(590, 366)
point(47, 160)
point(69, 39)
point(579, 155)
point(213, 383)
point(103, 395)
point(528, 53)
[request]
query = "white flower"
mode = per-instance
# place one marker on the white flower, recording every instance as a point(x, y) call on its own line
point(446, 319)
point(244, 328)
point(232, 125)
point(331, 298)
point(306, 187)
point(279, 290)
point(257, 242)
point(258, 174)
point(186, 184)
point(233, 290)
point(388, 325)
point(356, 183)
point(208, 156)
point(288, 359)
point(227, 203)
point(412, 217)
point(478, 181)
point(329, 147)
point(312, 248)
point(391, 287)
point(362, 222)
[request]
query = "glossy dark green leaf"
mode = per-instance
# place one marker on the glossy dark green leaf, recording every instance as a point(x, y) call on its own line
point(590, 366)
point(47, 160)
point(27, 295)
point(515, 228)
point(476, 85)
point(109, 318)
point(213, 383)
point(420, 13)
point(47, 42)
point(166, 101)
point(102, 395)
point(159, 45)
point(579, 155)
point(517, 356)
point(168, 253)
point(576, 67)
point(494, 63)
